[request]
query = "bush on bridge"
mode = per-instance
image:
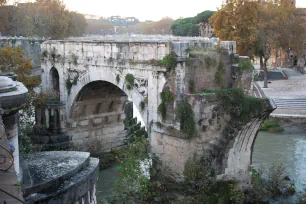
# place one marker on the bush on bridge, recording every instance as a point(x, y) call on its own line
point(169, 62)
point(185, 114)
point(238, 105)
point(129, 80)
point(166, 97)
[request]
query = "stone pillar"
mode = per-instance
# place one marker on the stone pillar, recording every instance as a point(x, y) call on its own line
point(11, 126)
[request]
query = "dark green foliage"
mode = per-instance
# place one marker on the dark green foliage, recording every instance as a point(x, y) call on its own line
point(203, 17)
point(191, 86)
point(268, 184)
point(70, 84)
point(210, 62)
point(159, 125)
point(45, 53)
point(129, 80)
point(74, 59)
point(185, 114)
point(245, 64)
point(169, 62)
point(118, 78)
point(202, 186)
point(142, 106)
point(272, 125)
point(219, 77)
point(241, 107)
point(166, 97)
point(185, 27)
point(53, 53)
point(234, 58)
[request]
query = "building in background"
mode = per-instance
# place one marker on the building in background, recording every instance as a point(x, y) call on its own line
point(206, 30)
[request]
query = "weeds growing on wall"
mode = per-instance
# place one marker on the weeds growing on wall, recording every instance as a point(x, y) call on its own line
point(53, 53)
point(191, 86)
point(45, 53)
point(74, 60)
point(210, 62)
point(241, 107)
point(169, 62)
point(185, 115)
point(142, 106)
point(146, 100)
point(166, 97)
point(118, 78)
point(129, 81)
point(219, 77)
point(70, 84)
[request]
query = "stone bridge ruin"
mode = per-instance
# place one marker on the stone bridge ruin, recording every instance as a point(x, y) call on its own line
point(93, 80)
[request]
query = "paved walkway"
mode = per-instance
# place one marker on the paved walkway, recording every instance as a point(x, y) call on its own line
point(289, 95)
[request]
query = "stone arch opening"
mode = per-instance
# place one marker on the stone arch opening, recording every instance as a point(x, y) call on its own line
point(54, 80)
point(98, 116)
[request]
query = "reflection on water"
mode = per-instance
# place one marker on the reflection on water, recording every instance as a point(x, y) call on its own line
point(288, 148)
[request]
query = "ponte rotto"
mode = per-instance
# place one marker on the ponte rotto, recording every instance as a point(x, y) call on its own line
point(92, 81)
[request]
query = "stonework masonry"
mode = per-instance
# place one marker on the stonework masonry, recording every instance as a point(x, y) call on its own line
point(93, 87)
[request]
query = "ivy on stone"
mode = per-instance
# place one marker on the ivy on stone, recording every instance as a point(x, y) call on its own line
point(118, 78)
point(169, 62)
point(129, 80)
point(238, 105)
point(185, 114)
point(70, 84)
point(166, 97)
point(219, 77)
point(142, 106)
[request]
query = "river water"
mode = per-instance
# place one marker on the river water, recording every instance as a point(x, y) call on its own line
point(288, 148)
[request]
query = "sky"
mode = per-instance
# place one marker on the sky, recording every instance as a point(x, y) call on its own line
point(147, 9)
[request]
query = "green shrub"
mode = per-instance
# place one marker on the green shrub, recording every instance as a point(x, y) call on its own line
point(245, 64)
point(70, 84)
point(191, 86)
point(118, 78)
point(142, 106)
point(241, 107)
point(129, 80)
point(166, 97)
point(185, 114)
point(272, 125)
point(169, 62)
point(219, 77)
point(208, 92)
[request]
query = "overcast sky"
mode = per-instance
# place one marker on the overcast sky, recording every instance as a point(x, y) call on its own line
point(147, 9)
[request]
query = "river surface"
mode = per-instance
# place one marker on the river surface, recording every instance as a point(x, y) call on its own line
point(288, 148)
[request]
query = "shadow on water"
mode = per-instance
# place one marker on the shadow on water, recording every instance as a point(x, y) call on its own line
point(288, 148)
point(107, 178)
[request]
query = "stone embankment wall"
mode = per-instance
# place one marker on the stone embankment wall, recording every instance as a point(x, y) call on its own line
point(30, 46)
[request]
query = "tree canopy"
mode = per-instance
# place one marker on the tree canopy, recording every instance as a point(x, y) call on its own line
point(259, 28)
point(185, 27)
point(189, 26)
point(43, 18)
point(12, 60)
point(203, 17)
